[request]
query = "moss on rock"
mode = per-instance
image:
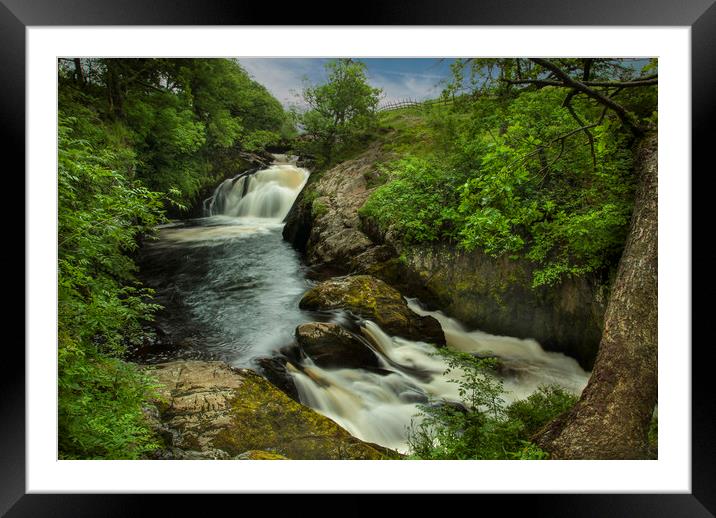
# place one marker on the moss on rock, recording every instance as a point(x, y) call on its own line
point(215, 408)
point(373, 299)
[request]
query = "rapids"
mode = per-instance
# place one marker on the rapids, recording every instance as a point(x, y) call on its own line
point(230, 288)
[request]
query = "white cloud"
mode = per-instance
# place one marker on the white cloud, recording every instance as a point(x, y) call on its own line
point(285, 79)
point(407, 86)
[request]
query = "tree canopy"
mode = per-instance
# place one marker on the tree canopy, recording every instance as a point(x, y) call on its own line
point(136, 137)
point(186, 121)
point(528, 162)
point(340, 111)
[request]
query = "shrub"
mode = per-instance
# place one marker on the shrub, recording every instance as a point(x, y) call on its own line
point(418, 201)
point(101, 306)
point(483, 427)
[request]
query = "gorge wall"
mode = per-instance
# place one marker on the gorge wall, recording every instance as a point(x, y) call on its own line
point(491, 294)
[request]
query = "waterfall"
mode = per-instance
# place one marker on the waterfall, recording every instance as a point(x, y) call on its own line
point(266, 193)
point(379, 406)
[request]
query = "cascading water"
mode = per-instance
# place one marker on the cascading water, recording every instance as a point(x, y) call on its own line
point(268, 193)
point(228, 282)
point(230, 288)
point(380, 407)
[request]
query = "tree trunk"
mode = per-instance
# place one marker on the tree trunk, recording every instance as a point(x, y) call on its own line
point(611, 419)
point(114, 89)
point(79, 76)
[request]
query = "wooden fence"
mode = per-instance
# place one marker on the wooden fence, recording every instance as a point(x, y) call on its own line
point(408, 103)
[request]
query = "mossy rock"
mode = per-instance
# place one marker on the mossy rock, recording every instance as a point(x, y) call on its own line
point(260, 455)
point(213, 407)
point(373, 299)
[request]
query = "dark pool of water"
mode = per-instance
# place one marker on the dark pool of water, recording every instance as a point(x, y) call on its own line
point(230, 288)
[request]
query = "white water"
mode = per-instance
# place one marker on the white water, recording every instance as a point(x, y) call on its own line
point(231, 285)
point(268, 193)
point(379, 407)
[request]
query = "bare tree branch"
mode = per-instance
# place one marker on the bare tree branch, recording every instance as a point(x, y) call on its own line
point(645, 81)
point(626, 117)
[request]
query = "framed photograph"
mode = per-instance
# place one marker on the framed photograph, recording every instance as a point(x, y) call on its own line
point(258, 254)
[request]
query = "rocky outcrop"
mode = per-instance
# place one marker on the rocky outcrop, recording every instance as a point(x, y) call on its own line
point(210, 410)
point(324, 219)
point(331, 346)
point(496, 296)
point(373, 299)
point(483, 292)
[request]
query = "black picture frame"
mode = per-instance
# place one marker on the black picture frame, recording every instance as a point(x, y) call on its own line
point(700, 15)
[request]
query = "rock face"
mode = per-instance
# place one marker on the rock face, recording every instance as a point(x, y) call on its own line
point(491, 294)
point(373, 299)
point(495, 295)
point(214, 411)
point(331, 346)
point(324, 219)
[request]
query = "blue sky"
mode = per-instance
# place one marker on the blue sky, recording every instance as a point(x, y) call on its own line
point(400, 78)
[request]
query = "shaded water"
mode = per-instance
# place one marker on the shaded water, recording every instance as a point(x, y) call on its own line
point(230, 288)
point(228, 282)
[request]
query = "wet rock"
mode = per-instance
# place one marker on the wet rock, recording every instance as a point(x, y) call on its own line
point(494, 294)
point(331, 346)
point(274, 370)
point(373, 299)
point(216, 411)
point(324, 222)
point(299, 220)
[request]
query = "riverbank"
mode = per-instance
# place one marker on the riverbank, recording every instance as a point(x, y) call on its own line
point(495, 295)
point(237, 296)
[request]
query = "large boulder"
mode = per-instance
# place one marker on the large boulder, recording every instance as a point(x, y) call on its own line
point(373, 299)
point(215, 411)
point(331, 346)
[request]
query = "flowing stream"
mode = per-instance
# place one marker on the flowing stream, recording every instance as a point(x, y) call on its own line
point(230, 288)
point(228, 282)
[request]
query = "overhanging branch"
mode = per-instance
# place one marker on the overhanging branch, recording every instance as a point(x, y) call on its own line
point(626, 117)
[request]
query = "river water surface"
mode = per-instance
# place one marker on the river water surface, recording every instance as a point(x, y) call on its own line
point(230, 288)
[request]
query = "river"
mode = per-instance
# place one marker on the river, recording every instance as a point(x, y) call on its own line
point(230, 288)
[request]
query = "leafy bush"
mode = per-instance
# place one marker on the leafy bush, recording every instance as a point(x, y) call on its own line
point(516, 176)
point(483, 427)
point(101, 402)
point(100, 303)
point(541, 407)
point(418, 201)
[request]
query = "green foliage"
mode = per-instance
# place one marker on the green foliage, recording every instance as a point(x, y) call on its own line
point(186, 120)
point(421, 131)
point(541, 407)
point(483, 427)
point(100, 406)
point(318, 209)
point(341, 113)
point(418, 201)
point(100, 304)
point(136, 137)
point(515, 175)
